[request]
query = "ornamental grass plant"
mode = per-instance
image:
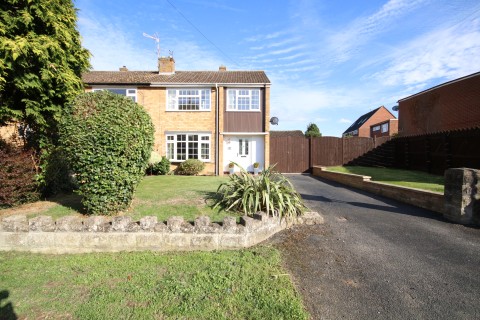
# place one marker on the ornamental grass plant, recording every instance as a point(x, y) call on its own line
point(270, 192)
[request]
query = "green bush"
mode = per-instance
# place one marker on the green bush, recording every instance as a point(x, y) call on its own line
point(56, 172)
point(270, 192)
point(190, 167)
point(161, 167)
point(108, 140)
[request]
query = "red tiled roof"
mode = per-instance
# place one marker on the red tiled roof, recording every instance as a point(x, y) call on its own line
point(179, 77)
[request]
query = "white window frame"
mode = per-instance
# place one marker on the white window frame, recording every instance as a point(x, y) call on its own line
point(385, 127)
point(172, 147)
point(235, 94)
point(376, 128)
point(129, 92)
point(204, 96)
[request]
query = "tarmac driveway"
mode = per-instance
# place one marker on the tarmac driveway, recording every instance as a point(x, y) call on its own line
point(376, 258)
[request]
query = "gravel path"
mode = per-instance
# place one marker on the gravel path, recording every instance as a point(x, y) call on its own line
point(376, 258)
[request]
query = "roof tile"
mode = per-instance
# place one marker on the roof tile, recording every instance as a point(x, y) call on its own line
point(179, 77)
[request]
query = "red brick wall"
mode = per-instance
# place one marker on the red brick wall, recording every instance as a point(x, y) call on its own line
point(381, 115)
point(452, 106)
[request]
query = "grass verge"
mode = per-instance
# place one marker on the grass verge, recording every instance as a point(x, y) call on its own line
point(161, 196)
point(201, 285)
point(405, 178)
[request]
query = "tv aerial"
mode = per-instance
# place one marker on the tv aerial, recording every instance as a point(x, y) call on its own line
point(157, 40)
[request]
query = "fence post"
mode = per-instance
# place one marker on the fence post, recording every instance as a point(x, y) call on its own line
point(310, 154)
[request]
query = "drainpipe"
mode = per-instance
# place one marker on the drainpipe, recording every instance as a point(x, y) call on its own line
point(217, 131)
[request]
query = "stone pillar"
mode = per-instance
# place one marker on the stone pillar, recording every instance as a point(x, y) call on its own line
point(462, 195)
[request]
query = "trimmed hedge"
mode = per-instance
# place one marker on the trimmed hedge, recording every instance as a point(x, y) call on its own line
point(107, 139)
point(17, 176)
point(190, 167)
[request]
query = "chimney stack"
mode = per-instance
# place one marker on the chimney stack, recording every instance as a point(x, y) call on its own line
point(166, 65)
point(123, 68)
point(222, 68)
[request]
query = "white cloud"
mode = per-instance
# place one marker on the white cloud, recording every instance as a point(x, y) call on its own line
point(447, 53)
point(343, 120)
point(112, 48)
point(262, 37)
point(345, 42)
point(276, 44)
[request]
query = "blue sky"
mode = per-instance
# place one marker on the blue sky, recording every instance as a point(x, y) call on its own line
point(329, 61)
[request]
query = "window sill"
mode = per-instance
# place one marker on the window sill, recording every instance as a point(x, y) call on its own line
point(188, 110)
point(244, 111)
point(180, 161)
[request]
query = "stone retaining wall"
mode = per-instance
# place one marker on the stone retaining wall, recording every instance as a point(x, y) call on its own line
point(460, 202)
point(433, 201)
point(74, 234)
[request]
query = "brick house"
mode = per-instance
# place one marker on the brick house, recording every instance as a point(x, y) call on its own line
point(384, 128)
point(361, 127)
point(214, 116)
point(448, 106)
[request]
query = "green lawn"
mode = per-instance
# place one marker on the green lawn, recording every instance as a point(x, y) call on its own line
point(405, 178)
point(244, 284)
point(161, 196)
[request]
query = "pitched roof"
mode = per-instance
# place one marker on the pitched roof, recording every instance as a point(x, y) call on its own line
point(364, 118)
point(179, 77)
point(287, 133)
point(476, 74)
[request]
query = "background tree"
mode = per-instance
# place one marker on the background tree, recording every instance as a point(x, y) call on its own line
point(312, 130)
point(41, 62)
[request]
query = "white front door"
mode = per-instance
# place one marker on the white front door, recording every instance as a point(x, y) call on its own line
point(243, 150)
point(244, 155)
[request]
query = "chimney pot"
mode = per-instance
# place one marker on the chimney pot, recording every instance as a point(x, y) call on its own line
point(222, 68)
point(123, 68)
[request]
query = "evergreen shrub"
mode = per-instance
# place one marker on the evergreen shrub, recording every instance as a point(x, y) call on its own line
point(161, 167)
point(190, 167)
point(107, 140)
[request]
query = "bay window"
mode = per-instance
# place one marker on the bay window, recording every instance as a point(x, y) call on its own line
point(183, 146)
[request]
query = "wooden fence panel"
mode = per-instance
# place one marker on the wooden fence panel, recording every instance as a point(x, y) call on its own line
point(356, 146)
point(327, 151)
point(299, 154)
point(290, 154)
point(437, 152)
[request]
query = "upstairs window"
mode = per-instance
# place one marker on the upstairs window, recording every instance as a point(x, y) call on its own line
point(243, 100)
point(127, 92)
point(188, 99)
point(376, 128)
point(385, 127)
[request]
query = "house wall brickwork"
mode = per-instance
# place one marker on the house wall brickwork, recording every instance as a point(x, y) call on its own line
point(450, 106)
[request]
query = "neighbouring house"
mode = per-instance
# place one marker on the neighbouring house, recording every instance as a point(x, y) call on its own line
point(361, 127)
point(214, 116)
point(384, 128)
point(448, 106)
